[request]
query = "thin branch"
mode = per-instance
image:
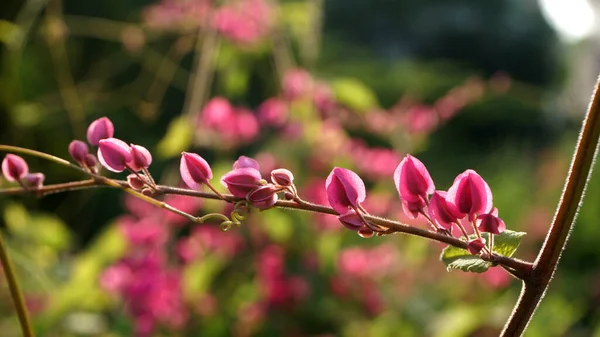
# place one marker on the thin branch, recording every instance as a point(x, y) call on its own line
point(522, 268)
point(15, 291)
point(202, 74)
point(556, 240)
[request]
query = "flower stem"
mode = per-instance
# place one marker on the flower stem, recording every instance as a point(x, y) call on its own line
point(547, 260)
point(15, 291)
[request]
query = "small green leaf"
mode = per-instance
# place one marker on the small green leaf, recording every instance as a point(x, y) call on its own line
point(504, 244)
point(507, 242)
point(354, 94)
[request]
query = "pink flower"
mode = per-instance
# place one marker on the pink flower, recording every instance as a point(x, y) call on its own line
point(34, 180)
point(194, 170)
point(135, 182)
point(491, 223)
point(244, 161)
point(273, 111)
point(296, 83)
point(282, 177)
point(246, 125)
point(414, 184)
point(217, 114)
point(345, 190)
point(444, 214)
point(351, 220)
point(475, 246)
point(241, 181)
point(263, 197)
point(421, 119)
point(114, 154)
point(78, 150)
point(470, 194)
point(99, 129)
point(14, 168)
point(140, 157)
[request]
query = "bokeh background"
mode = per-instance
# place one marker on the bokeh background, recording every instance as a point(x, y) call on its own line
point(497, 86)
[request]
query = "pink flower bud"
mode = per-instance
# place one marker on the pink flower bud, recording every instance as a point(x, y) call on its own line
point(412, 209)
point(244, 161)
point(351, 220)
point(491, 223)
point(344, 189)
point(194, 170)
point(101, 128)
point(273, 111)
point(91, 161)
point(14, 168)
point(114, 154)
point(412, 180)
point(34, 180)
point(282, 177)
point(241, 181)
point(475, 246)
point(444, 214)
point(78, 150)
point(135, 182)
point(470, 194)
point(263, 197)
point(140, 157)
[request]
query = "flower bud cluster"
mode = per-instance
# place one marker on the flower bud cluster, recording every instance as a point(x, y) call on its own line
point(15, 169)
point(243, 181)
point(468, 200)
point(113, 154)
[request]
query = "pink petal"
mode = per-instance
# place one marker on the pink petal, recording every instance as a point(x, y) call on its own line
point(351, 220)
point(412, 179)
point(344, 189)
point(114, 154)
point(444, 214)
point(470, 194)
point(475, 246)
point(14, 168)
point(101, 128)
point(34, 180)
point(141, 157)
point(194, 170)
point(241, 181)
point(263, 197)
point(78, 150)
point(244, 161)
point(282, 177)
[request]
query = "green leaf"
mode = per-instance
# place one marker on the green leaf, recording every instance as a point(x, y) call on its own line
point(507, 242)
point(504, 244)
point(354, 94)
point(177, 139)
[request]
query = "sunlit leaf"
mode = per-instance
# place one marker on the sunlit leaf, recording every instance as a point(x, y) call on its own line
point(504, 244)
point(177, 139)
point(354, 94)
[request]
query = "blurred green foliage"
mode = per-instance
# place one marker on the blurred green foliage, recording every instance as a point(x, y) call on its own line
point(66, 63)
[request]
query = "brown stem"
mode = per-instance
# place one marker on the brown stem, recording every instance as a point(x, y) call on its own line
point(522, 267)
point(547, 259)
point(15, 291)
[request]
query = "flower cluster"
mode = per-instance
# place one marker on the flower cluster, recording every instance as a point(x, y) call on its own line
point(468, 201)
point(113, 154)
point(243, 22)
point(243, 181)
point(15, 169)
